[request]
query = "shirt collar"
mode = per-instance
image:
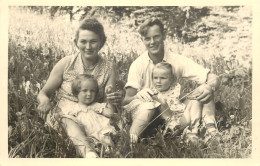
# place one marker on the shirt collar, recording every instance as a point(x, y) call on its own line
point(165, 57)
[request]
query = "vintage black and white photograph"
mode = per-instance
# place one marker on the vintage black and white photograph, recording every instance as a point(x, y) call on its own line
point(130, 81)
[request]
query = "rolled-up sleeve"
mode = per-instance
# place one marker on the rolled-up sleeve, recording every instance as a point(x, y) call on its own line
point(187, 68)
point(134, 77)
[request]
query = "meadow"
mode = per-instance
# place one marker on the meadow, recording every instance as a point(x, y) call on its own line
point(223, 44)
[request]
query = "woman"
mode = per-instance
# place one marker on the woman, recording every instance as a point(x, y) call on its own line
point(89, 39)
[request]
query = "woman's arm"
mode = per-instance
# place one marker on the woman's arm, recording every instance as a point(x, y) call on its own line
point(113, 97)
point(53, 83)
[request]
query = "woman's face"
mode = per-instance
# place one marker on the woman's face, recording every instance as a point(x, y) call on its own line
point(162, 79)
point(88, 43)
point(87, 92)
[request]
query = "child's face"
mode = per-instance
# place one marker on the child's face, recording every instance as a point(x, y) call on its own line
point(162, 79)
point(87, 92)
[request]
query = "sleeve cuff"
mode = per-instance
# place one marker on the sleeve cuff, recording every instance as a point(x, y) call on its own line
point(132, 85)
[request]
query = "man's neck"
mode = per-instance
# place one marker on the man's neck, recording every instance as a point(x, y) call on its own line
point(156, 58)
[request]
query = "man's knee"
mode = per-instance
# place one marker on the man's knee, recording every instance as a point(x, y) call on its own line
point(145, 115)
point(196, 103)
point(193, 104)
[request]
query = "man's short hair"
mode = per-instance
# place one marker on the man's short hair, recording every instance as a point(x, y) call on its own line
point(148, 23)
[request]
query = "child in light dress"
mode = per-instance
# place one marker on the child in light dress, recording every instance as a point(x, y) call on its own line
point(93, 117)
point(175, 113)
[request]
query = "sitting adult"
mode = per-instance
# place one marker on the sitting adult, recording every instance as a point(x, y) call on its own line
point(140, 80)
point(89, 39)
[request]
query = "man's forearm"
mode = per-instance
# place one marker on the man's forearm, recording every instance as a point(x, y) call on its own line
point(213, 81)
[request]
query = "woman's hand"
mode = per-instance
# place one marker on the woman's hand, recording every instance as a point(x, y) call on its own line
point(203, 93)
point(146, 94)
point(44, 106)
point(114, 97)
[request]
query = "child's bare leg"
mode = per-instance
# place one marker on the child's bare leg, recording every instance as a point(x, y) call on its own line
point(191, 117)
point(195, 115)
point(78, 138)
point(208, 113)
point(192, 113)
point(142, 119)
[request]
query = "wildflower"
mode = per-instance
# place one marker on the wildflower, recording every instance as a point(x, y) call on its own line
point(232, 117)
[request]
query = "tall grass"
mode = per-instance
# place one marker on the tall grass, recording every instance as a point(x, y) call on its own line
point(37, 42)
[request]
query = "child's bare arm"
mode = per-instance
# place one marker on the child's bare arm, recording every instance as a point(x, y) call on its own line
point(109, 110)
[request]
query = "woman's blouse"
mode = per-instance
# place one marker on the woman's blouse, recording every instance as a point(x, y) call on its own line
point(74, 67)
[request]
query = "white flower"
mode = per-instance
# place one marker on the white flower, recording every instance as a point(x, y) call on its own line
point(232, 116)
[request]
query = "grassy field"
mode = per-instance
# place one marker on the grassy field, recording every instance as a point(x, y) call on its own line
point(37, 42)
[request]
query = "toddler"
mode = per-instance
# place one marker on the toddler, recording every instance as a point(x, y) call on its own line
point(91, 116)
point(166, 100)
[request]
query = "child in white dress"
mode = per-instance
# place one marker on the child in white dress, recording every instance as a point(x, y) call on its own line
point(93, 117)
point(175, 113)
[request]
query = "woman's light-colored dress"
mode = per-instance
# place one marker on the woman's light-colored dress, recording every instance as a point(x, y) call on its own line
point(66, 100)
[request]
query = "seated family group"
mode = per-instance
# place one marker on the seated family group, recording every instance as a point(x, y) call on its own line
point(86, 85)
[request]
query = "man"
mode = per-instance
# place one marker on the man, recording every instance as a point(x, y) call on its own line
point(140, 80)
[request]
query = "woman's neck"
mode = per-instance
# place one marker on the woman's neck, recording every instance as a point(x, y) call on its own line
point(89, 62)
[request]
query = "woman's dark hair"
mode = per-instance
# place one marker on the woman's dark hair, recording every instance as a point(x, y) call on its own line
point(148, 23)
point(76, 84)
point(93, 25)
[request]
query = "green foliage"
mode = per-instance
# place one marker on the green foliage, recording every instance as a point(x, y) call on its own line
point(219, 38)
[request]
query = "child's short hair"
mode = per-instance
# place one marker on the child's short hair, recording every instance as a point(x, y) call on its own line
point(76, 84)
point(166, 66)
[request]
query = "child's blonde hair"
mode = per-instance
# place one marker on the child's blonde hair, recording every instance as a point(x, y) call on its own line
point(76, 84)
point(165, 66)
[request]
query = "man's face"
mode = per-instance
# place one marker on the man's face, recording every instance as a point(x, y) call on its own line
point(153, 41)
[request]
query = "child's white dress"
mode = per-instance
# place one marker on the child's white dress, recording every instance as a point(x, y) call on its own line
point(89, 118)
point(177, 108)
point(171, 96)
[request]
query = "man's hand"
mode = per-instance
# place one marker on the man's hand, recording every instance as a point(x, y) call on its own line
point(203, 94)
point(160, 100)
point(145, 94)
